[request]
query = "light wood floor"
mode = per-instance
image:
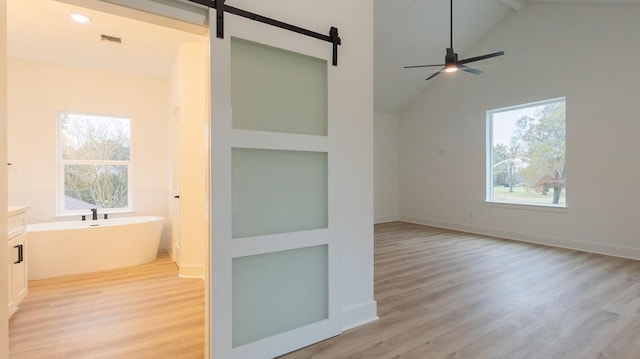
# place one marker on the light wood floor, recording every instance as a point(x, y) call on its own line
point(446, 294)
point(133, 313)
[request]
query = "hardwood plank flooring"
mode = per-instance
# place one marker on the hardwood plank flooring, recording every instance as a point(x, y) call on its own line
point(139, 312)
point(447, 294)
point(440, 293)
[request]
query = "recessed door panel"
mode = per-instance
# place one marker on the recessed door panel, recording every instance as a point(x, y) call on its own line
point(278, 191)
point(277, 90)
point(277, 292)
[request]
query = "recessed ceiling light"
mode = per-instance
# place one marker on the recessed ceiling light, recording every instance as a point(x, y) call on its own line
point(80, 18)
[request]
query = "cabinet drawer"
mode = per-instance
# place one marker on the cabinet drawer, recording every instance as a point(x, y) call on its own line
point(16, 225)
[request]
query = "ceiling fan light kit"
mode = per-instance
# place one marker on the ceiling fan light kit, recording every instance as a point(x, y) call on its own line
point(451, 62)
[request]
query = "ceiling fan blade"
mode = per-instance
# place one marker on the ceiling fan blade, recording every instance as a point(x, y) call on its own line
point(415, 66)
point(434, 75)
point(478, 58)
point(469, 69)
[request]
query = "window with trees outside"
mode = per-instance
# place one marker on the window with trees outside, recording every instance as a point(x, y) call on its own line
point(526, 161)
point(94, 158)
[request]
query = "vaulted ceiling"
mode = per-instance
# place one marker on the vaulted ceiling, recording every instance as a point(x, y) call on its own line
point(416, 32)
point(406, 32)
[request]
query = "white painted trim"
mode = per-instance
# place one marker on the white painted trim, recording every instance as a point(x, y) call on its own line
point(359, 315)
point(178, 14)
point(4, 255)
point(286, 342)
point(278, 141)
point(386, 219)
point(515, 4)
point(567, 243)
point(528, 207)
point(191, 271)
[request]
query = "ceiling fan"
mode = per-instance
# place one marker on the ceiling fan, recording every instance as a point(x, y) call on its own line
point(451, 62)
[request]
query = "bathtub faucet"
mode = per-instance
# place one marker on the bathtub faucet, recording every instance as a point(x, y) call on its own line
point(94, 214)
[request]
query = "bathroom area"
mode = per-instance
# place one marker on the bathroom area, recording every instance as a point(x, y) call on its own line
point(102, 98)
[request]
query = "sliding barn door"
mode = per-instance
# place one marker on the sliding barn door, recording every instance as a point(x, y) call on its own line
point(274, 253)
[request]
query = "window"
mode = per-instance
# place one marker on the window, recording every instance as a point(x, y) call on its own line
point(526, 161)
point(94, 158)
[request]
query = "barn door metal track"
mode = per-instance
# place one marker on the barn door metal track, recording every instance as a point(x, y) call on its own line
point(221, 8)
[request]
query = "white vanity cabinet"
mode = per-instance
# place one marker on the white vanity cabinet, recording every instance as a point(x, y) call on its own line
point(17, 226)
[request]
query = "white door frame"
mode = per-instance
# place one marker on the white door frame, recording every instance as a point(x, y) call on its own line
point(4, 262)
point(177, 14)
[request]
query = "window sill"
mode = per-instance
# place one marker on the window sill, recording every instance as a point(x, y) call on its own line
point(528, 207)
point(88, 213)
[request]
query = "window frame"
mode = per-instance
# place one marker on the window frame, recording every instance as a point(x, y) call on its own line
point(489, 172)
point(61, 162)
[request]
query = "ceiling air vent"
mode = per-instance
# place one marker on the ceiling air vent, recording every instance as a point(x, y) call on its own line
point(104, 37)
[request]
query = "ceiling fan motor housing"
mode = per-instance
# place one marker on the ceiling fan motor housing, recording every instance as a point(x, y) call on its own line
point(451, 58)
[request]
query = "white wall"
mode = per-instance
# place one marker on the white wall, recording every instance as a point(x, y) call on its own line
point(584, 52)
point(385, 165)
point(4, 322)
point(39, 90)
point(354, 20)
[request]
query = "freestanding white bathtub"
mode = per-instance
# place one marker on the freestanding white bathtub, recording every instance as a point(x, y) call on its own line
point(63, 248)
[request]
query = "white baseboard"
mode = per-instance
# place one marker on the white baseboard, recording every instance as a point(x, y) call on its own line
point(360, 314)
point(188, 271)
point(591, 247)
point(387, 219)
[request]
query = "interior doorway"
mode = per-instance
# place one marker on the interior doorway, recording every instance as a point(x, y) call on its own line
point(118, 43)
